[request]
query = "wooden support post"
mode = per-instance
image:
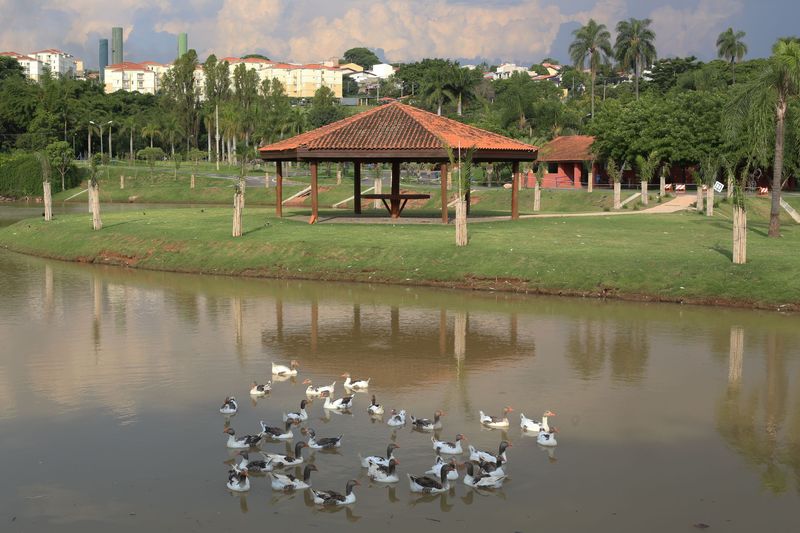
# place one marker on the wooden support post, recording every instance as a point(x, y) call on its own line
point(278, 189)
point(314, 193)
point(357, 187)
point(443, 180)
point(395, 202)
point(514, 190)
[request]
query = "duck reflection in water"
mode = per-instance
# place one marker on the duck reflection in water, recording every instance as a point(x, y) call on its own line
point(308, 500)
point(243, 504)
point(326, 414)
point(442, 497)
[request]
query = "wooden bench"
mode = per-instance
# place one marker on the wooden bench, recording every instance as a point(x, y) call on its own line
point(397, 202)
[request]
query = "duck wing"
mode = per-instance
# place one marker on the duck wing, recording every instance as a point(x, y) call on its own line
point(427, 482)
point(328, 442)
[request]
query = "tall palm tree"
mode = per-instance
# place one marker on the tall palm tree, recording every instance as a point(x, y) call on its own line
point(130, 125)
point(172, 128)
point(462, 84)
point(592, 42)
point(731, 47)
point(634, 47)
point(436, 89)
point(151, 130)
point(762, 105)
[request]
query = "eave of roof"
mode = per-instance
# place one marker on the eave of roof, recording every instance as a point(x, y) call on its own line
point(568, 148)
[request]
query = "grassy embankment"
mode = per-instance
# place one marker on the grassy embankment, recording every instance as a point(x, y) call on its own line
point(679, 257)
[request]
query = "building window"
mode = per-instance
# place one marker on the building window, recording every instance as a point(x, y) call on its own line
point(552, 168)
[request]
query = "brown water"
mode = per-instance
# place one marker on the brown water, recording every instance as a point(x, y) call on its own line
point(110, 381)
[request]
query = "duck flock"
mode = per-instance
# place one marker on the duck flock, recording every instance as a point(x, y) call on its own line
point(482, 469)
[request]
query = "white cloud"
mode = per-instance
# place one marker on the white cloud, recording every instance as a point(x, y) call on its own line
point(692, 31)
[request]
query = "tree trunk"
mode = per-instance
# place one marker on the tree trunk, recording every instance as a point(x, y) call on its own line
point(537, 197)
point(378, 184)
point(699, 201)
point(131, 146)
point(662, 186)
point(710, 202)
point(96, 222)
point(461, 223)
point(48, 201)
point(739, 235)
point(339, 175)
point(777, 173)
point(593, 77)
point(439, 109)
point(121, 182)
point(63, 184)
point(645, 199)
point(89, 192)
point(266, 177)
point(237, 213)
point(459, 104)
point(449, 180)
point(590, 175)
point(636, 77)
point(617, 195)
point(191, 182)
point(208, 144)
point(729, 193)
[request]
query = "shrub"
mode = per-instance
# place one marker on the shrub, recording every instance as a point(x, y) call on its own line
point(21, 175)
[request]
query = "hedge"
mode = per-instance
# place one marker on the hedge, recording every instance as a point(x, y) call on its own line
point(21, 175)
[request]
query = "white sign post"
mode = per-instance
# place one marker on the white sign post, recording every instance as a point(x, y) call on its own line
point(719, 186)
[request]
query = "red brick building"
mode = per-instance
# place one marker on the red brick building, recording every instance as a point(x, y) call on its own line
point(566, 159)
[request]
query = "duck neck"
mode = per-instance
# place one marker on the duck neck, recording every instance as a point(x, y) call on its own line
point(544, 424)
point(298, 449)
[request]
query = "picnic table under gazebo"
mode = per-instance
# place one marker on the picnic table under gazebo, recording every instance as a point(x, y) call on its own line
point(394, 133)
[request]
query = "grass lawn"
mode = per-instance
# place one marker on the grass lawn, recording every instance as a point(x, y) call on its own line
point(678, 257)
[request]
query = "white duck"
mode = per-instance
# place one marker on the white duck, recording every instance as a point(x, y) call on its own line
point(315, 392)
point(283, 370)
point(340, 404)
point(324, 443)
point(436, 469)
point(496, 421)
point(297, 417)
point(449, 448)
point(425, 424)
point(495, 469)
point(230, 406)
point(244, 441)
point(397, 419)
point(276, 433)
point(290, 482)
point(281, 461)
point(330, 497)
point(255, 465)
point(547, 438)
point(431, 485)
point(377, 459)
point(237, 480)
point(384, 473)
point(480, 480)
point(478, 455)
point(260, 390)
point(375, 409)
point(355, 384)
point(533, 426)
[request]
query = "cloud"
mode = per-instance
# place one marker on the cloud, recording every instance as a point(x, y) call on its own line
point(693, 30)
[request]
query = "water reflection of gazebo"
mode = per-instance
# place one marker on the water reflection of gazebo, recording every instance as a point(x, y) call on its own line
point(394, 133)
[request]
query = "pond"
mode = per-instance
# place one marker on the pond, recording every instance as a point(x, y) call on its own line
point(669, 417)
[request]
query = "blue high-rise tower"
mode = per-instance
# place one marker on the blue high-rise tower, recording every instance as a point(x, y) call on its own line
point(103, 59)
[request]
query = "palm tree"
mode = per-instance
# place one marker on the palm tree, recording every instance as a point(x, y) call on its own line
point(436, 89)
point(762, 105)
point(462, 85)
point(172, 128)
point(130, 125)
point(634, 47)
point(592, 42)
point(731, 47)
point(151, 130)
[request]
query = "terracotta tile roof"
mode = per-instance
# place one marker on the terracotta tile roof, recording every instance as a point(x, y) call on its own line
point(127, 65)
point(397, 127)
point(51, 51)
point(568, 148)
point(17, 55)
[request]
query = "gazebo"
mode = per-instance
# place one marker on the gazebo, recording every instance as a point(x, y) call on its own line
point(394, 133)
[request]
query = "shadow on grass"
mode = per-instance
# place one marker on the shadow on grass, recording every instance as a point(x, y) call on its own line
point(121, 223)
point(259, 228)
point(722, 251)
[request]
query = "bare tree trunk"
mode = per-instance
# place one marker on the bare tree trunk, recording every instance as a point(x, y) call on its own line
point(266, 177)
point(537, 197)
point(777, 173)
point(590, 181)
point(699, 201)
point(48, 201)
point(645, 199)
point(121, 181)
point(378, 184)
point(191, 181)
point(461, 223)
point(96, 222)
point(617, 195)
point(208, 144)
point(739, 235)
point(449, 180)
point(662, 186)
point(710, 202)
point(339, 174)
point(237, 212)
point(90, 193)
point(729, 193)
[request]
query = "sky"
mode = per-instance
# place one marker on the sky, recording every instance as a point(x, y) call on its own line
point(520, 31)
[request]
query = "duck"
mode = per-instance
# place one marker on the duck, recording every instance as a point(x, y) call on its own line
point(283, 370)
point(355, 384)
point(425, 424)
point(290, 482)
point(478, 455)
point(449, 448)
point(436, 469)
point(281, 461)
point(547, 438)
point(298, 417)
point(430, 485)
point(397, 419)
point(496, 421)
point(256, 465)
point(493, 468)
point(260, 390)
point(377, 459)
point(230, 406)
point(325, 443)
point(375, 409)
point(482, 480)
point(276, 433)
point(330, 497)
point(238, 480)
point(340, 404)
point(534, 426)
point(384, 473)
point(244, 441)
point(314, 392)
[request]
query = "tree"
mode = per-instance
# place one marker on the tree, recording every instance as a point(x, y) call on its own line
point(151, 130)
point(324, 109)
point(275, 109)
point(615, 173)
point(94, 188)
point(436, 89)
point(184, 95)
point(731, 48)
point(151, 155)
point(634, 47)
point(171, 128)
point(176, 160)
point(462, 84)
point(195, 156)
point(130, 124)
point(10, 68)
point(759, 114)
point(44, 161)
point(647, 169)
point(592, 42)
point(361, 56)
point(60, 156)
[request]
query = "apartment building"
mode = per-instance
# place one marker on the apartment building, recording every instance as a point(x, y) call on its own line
point(133, 77)
point(32, 67)
point(59, 62)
